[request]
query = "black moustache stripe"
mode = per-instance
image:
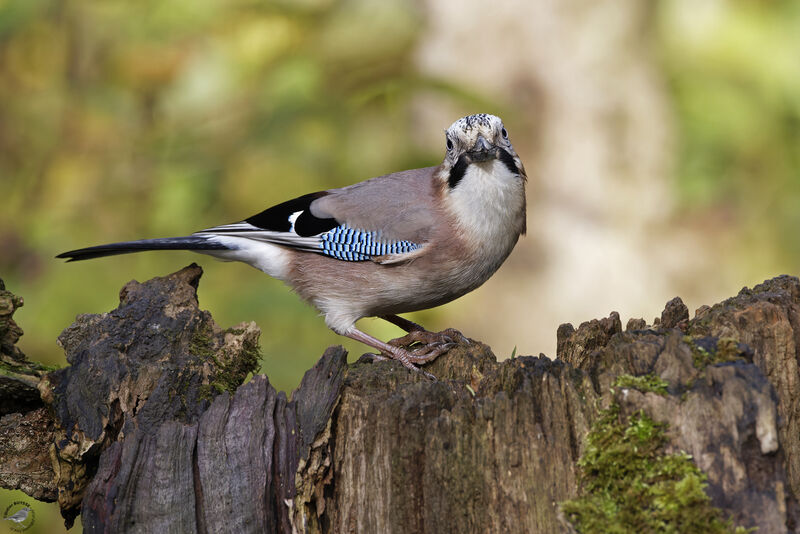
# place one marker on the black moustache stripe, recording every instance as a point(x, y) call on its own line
point(458, 170)
point(508, 160)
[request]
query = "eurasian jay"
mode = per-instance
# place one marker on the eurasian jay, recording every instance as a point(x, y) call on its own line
point(397, 243)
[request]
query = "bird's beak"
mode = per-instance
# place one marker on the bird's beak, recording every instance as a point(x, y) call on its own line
point(482, 150)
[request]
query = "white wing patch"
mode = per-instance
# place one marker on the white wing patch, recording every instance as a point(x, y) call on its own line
point(293, 219)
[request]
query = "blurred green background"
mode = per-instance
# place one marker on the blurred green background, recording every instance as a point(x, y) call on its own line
point(122, 120)
point(127, 119)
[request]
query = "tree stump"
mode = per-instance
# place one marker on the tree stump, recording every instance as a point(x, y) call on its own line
point(152, 427)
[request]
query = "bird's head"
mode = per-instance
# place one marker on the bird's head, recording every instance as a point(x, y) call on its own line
point(478, 139)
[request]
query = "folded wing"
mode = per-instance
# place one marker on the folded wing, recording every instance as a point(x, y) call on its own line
point(384, 220)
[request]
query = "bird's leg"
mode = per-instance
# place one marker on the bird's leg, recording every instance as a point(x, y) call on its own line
point(407, 358)
point(402, 322)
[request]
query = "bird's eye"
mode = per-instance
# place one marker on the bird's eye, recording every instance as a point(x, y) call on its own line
point(449, 144)
point(504, 133)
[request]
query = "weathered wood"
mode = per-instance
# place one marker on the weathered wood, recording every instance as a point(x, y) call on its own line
point(25, 441)
point(766, 318)
point(151, 431)
point(155, 359)
point(27, 429)
point(417, 456)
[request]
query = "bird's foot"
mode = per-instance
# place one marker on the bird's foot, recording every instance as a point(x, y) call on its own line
point(420, 347)
point(423, 342)
point(409, 359)
point(416, 348)
point(401, 355)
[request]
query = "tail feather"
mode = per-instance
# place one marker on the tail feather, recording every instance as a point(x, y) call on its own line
point(127, 247)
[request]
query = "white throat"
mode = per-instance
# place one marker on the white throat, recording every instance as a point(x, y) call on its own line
point(489, 205)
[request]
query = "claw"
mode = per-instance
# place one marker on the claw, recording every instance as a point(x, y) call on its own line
point(383, 357)
point(454, 334)
point(429, 352)
point(408, 360)
point(429, 376)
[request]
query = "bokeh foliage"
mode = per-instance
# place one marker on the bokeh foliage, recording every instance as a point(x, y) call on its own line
point(733, 71)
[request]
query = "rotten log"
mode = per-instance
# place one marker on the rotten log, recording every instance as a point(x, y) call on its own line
point(151, 429)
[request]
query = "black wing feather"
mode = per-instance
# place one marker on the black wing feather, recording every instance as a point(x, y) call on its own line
point(276, 218)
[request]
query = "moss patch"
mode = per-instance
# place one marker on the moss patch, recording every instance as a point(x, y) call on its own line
point(230, 369)
point(644, 383)
point(629, 484)
point(26, 367)
point(709, 351)
point(202, 342)
point(209, 391)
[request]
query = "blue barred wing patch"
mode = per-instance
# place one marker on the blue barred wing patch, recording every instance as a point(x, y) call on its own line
point(349, 244)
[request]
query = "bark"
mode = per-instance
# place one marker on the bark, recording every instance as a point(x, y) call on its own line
point(149, 428)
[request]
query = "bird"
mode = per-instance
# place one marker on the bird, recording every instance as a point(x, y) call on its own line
point(19, 516)
point(397, 243)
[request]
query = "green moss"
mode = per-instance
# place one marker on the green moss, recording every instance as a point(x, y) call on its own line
point(644, 383)
point(710, 351)
point(26, 367)
point(230, 371)
point(233, 372)
point(202, 343)
point(209, 391)
point(629, 484)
